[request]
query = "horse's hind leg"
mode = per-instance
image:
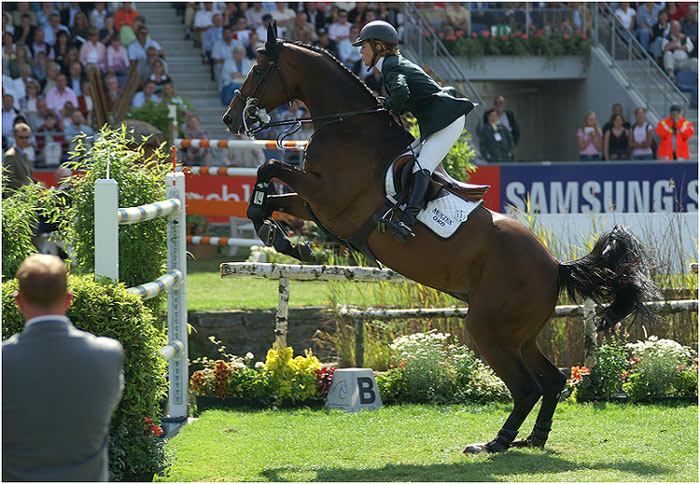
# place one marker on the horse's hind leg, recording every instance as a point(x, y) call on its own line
point(505, 358)
point(551, 382)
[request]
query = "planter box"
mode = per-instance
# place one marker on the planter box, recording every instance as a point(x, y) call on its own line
point(516, 68)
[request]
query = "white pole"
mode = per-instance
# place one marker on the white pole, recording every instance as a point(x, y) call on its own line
point(282, 316)
point(106, 229)
point(177, 298)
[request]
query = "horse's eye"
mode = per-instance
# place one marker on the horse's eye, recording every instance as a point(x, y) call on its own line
point(257, 70)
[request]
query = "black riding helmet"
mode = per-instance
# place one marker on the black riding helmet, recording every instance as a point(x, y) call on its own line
point(380, 30)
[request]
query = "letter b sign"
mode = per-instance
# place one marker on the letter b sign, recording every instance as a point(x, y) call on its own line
point(366, 387)
point(354, 389)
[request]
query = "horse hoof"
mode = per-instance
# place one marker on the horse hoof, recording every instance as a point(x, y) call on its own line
point(475, 449)
point(266, 233)
point(527, 443)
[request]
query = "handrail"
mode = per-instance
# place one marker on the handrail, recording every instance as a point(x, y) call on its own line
point(658, 85)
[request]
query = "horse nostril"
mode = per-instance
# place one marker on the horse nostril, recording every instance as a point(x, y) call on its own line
point(228, 120)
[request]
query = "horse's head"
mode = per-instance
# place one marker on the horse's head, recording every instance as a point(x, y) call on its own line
point(264, 89)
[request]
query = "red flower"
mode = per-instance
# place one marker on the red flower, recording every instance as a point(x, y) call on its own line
point(460, 33)
point(474, 34)
point(450, 37)
point(505, 37)
point(441, 35)
point(566, 36)
point(524, 37)
point(485, 33)
point(153, 427)
point(425, 33)
point(539, 33)
point(584, 36)
point(577, 32)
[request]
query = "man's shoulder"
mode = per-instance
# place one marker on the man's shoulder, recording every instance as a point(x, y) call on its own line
point(12, 152)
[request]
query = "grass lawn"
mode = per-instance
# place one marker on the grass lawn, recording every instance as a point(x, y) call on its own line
point(207, 291)
point(590, 442)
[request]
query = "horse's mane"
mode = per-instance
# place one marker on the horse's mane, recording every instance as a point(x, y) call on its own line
point(336, 61)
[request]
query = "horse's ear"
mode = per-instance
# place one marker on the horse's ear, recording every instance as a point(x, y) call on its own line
point(271, 37)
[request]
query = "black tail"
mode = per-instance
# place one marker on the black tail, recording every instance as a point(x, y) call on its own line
point(616, 272)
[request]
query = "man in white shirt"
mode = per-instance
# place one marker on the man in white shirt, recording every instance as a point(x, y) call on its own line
point(222, 51)
point(137, 49)
point(203, 21)
point(233, 74)
point(254, 15)
point(349, 55)
point(341, 29)
point(60, 94)
point(52, 28)
point(149, 92)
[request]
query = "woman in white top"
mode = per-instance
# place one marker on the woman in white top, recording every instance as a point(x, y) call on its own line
point(640, 137)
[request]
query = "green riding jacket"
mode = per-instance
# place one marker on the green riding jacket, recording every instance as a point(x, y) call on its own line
point(411, 89)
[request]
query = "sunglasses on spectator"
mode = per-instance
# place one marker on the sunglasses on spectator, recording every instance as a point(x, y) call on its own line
point(21, 137)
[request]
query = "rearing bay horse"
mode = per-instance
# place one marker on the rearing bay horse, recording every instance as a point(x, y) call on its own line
point(508, 277)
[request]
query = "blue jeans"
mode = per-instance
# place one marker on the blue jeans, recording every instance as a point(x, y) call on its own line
point(226, 93)
point(655, 48)
point(643, 35)
point(589, 158)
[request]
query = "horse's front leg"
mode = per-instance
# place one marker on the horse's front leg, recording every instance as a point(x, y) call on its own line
point(263, 203)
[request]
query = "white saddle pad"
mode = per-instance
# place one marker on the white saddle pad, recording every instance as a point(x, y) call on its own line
point(443, 215)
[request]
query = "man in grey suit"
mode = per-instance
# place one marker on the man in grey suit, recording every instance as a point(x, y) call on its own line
point(17, 166)
point(60, 385)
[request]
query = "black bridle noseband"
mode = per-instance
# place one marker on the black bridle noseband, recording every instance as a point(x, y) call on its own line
point(252, 112)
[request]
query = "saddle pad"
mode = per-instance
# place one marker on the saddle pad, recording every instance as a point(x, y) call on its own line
point(443, 215)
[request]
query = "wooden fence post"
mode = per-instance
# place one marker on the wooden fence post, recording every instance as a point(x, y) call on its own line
point(281, 318)
point(590, 336)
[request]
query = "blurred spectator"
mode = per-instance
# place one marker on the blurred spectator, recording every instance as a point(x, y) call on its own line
point(255, 44)
point(325, 42)
point(36, 119)
point(117, 58)
point(39, 68)
point(676, 10)
point(79, 31)
point(76, 77)
point(640, 137)
point(127, 34)
point(616, 109)
point(25, 75)
point(262, 29)
point(356, 15)
point(125, 16)
point(159, 76)
point(348, 54)
point(674, 132)
point(19, 61)
point(137, 49)
point(9, 113)
point(60, 48)
point(17, 166)
point(616, 140)
point(42, 16)
point(53, 27)
point(98, 15)
point(387, 14)
point(169, 96)
point(506, 118)
point(301, 23)
point(676, 47)
point(8, 53)
point(590, 139)
point(112, 87)
point(647, 15)
point(580, 12)
point(60, 94)
point(25, 31)
point(145, 66)
point(284, 16)
point(108, 31)
point(70, 57)
point(340, 30)
point(458, 16)
point(241, 33)
point(222, 51)
point(203, 21)
point(28, 103)
point(23, 8)
point(39, 44)
point(195, 156)
point(254, 15)
point(68, 13)
point(78, 125)
point(213, 34)
point(233, 73)
point(148, 94)
point(689, 26)
point(316, 16)
point(231, 13)
point(249, 158)
point(305, 36)
point(495, 141)
point(52, 72)
point(65, 117)
point(93, 51)
point(626, 15)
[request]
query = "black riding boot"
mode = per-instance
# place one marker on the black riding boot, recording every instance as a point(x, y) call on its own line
point(403, 228)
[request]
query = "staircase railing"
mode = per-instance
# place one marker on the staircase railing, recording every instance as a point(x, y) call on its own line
point(656, 88)
point(442, 63)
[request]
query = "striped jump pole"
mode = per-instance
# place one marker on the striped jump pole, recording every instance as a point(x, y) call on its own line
point(239, 144)
point(220, 171)
point(222, 241)
point(108, 217)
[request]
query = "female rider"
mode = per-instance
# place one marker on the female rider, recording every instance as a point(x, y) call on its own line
point(441, 115)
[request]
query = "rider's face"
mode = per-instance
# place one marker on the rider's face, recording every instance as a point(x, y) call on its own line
point(367, 53)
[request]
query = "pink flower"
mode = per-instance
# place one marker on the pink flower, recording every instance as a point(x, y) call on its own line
point(474, 34)
point(584, 36)
point(524, 37)
point(485, 33)
point(577, 32)
point(441, 35)
point(450, 37)
point(460, 33)
point(425, 33)
point(566, 36)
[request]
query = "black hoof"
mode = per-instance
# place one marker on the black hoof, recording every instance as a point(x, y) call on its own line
point(306, 254)
point(266, 233)
point(476, 449)
point(527, 444)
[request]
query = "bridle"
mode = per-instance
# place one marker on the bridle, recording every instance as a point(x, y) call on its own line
point(253, 114)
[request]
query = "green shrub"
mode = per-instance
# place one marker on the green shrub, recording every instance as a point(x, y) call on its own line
point(109, 310)
point(141, 181)
point(20, 214)
point(294, 380)
point(609, 366)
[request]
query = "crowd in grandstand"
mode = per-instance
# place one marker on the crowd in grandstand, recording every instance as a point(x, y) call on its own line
point(48, 48)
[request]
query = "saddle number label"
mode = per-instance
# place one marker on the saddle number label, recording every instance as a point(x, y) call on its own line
point(441, 218)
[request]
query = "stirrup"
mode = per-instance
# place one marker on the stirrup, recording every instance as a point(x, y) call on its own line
point(266, 233)
point(400, 230)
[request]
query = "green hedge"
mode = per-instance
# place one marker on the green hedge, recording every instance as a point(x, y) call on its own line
point(109, 310)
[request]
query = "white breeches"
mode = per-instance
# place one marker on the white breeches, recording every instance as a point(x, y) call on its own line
point(438, 145)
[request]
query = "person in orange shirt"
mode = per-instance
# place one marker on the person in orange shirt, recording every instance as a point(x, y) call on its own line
point(125, 16)
point(674, 132)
